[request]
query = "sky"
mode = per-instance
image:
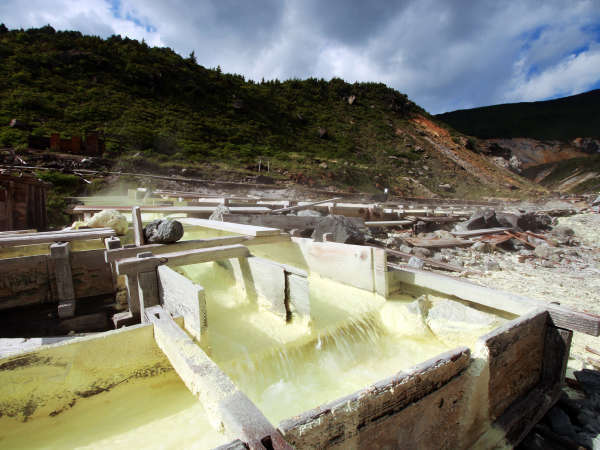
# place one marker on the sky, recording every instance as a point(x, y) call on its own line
point(444, 54)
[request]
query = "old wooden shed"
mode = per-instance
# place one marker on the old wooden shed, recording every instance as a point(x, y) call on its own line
point(22, 203)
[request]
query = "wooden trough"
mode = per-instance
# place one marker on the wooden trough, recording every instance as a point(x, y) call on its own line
point(485, 395)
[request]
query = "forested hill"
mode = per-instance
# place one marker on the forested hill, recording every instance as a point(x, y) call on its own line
point(562, 119)
point(159, 111)
point(147, 98)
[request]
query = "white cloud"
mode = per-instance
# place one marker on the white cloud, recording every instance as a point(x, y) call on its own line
point(572, 75)
point(444, 54)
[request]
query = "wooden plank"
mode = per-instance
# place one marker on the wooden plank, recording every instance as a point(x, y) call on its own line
point(10, 233)
point(59, 253)
point(52, 233)
point(482, 232)
point(497, 299)
point(247, 230)
point(180, 296)
point(298, 295)
point(556, 355)
point(282, 222)
point(348, 264)
point(226, 406)
point(138, 228)
point(304, 206)
point(515, 354)
point(390, 413)
point(158, 249)
point(438, 243)
point(388, 223)
point(380, 271)
point(91, 275)
point(24, 281)
point(207, 210)
point(263, 282)
point(55, 237)
point(133, 295)
point(137, 265)
point(147, 291)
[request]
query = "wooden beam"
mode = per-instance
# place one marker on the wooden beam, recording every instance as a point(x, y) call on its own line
point(59, 254)
point(55, 237)
point(482, 232)
point(207, 210)
point(304, 206)
point(10, 233)
point(138, 228)
point(226, 406)
point(130, 266)
point(158, 249)
point(247, 230)
point(497, 299)
point(389, 223)
point(282, 222)
point(438, 243)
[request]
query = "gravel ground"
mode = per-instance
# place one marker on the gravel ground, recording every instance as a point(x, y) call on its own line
point(571, 277)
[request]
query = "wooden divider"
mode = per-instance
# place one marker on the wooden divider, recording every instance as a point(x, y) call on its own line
point(279, 288)
point(226, 406)
point(30, 280)
point(181, 297)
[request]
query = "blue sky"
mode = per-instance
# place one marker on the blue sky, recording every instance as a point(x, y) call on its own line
point(445, 55)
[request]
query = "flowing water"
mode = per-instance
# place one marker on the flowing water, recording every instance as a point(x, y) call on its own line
point(355, 338)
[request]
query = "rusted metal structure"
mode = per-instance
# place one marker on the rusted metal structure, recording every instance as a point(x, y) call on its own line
point(22, 203)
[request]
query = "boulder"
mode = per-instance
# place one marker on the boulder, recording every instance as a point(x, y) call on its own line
point(482, 219)
point(508, 220)
point(163, 231)
point(341, 228)
point(531, 221)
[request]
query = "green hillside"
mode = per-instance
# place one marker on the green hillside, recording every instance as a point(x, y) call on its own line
point(562, 119)
point(153, 100)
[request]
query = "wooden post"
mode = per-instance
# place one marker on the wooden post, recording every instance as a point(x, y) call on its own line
point(112, 243)
point(147, 284)
point(59, 253)
point(138, 229)
point(380, 271)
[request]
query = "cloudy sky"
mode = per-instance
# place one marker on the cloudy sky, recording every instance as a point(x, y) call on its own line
point(445, 54)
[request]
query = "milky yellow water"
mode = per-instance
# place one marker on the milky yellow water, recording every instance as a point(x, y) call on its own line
point(355, 339)
point(151, 413)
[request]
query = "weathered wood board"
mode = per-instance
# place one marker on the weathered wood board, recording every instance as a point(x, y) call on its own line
point(180, 296)
point(246, 230)
point(278, 288)
point(348, 264)
point(24, 281)
point(391, 413)
point(91, 275)
point(29, 280)
point(515, 355)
